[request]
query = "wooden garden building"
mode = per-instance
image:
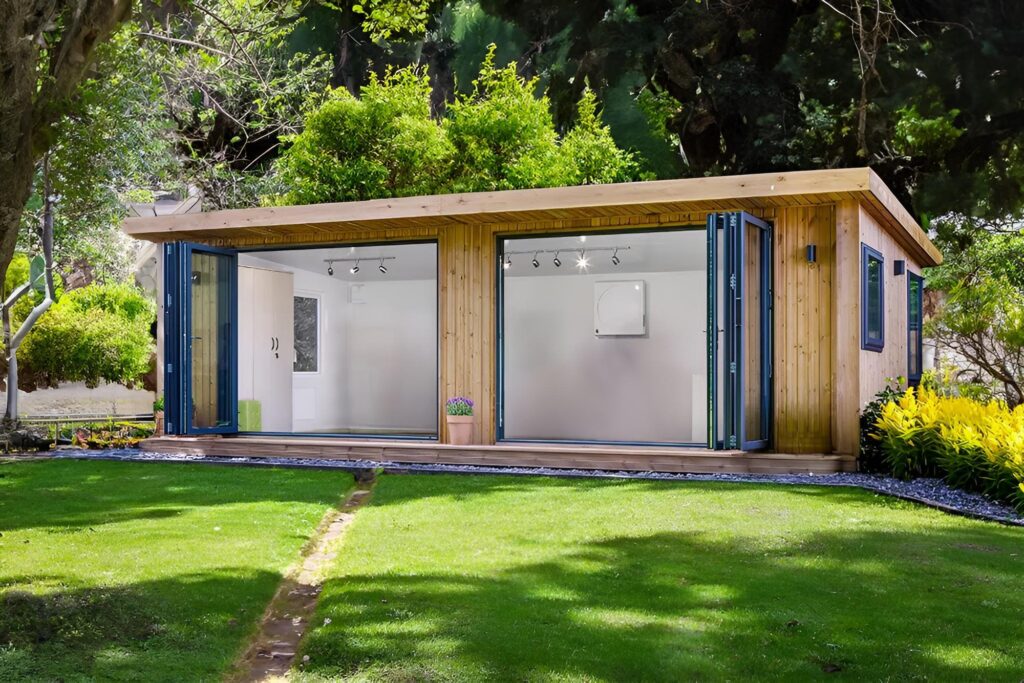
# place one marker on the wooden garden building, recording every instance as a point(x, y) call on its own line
point(710, 324)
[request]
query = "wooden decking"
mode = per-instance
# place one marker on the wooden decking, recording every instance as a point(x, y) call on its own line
point(628, 458)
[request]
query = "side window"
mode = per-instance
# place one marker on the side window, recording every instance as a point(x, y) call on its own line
point(915, 323)
point(307, 334)
point(872, 299)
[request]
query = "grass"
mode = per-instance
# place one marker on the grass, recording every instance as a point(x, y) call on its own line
point(156, 572)
point(503, 578)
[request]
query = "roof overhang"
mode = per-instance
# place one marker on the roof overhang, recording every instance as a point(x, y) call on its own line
point(721, 193)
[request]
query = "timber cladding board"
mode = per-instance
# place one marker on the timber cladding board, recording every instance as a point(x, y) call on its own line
point(803, 299)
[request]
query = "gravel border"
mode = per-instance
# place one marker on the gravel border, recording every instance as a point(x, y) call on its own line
point(931, 492)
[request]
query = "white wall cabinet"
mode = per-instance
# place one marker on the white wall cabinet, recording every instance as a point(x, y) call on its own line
point(266, 329)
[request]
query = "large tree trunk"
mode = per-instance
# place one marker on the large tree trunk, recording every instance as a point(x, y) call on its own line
point(45, 48)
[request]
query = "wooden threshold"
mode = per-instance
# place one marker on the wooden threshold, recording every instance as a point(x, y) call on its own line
point(565, 456)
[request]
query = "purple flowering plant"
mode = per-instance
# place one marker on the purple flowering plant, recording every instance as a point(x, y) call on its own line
point(460, 405)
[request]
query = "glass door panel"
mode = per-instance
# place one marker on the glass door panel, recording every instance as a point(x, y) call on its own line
point(740, 331)
point(210, 302)
point(755, 331)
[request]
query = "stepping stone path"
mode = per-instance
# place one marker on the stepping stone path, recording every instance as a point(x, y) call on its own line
point(272, 652)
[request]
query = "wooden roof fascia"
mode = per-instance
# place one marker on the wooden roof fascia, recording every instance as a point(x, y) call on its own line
point(748, 192)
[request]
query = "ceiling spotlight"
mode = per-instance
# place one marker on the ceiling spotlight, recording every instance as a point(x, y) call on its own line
point(536, 263)
point(330, 269)
point(508, 262)
point(582, 262)
point(354, 269)
point(382, 268)
point(615, 257)
point(557, 261)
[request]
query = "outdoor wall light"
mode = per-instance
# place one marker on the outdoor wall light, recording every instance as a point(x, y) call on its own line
point(899, 266)
point(615, 257)
point(354, 269)
point(536, 263)
point(812, 253)
point(557, 261)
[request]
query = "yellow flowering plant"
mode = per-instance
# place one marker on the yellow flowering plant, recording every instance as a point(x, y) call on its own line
point(971, 444)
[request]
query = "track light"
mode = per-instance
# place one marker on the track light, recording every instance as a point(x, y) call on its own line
point(382, 268)
point(508, 263)
point(557, 261)
point(536, 263)
point(330, 270)
point(582, 262)
point(354, 269)
point(615, 257)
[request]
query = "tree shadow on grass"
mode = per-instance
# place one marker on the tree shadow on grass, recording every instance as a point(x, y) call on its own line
point(67, 495)
point(874, 604)
point(185, 628)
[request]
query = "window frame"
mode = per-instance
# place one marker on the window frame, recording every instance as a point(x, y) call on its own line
point(867, 342)
point(300, 294)
point(913, 379)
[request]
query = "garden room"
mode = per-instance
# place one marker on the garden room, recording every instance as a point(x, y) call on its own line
point(338, 340)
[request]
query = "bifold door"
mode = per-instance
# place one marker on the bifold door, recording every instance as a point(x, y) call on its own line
point(200, 338)
point(739, 334)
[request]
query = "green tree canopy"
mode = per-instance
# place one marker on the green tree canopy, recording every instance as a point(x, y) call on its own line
point(981, 319)
point(501, 135)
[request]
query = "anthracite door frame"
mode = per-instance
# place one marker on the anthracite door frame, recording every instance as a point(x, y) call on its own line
point(734, 227)
point(178, 339)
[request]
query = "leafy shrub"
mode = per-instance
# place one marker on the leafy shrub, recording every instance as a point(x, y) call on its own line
point(499, 136)
point(110, 434)
point(872, 457)
point(973, 445)
point(99, 333)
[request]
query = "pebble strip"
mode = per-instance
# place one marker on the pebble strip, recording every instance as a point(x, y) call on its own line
point(931, 492)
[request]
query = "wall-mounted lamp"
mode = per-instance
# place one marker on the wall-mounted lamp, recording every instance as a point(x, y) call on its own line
point(812, 253)
point(899, 266)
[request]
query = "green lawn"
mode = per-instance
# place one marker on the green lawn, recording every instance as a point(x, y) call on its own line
point(144, 571)
point(505, 578)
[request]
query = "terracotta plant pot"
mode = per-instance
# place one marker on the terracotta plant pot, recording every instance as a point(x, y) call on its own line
point(158, 417)
point(460, 430)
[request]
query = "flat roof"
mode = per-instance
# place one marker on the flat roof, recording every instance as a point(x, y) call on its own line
point(720, 193)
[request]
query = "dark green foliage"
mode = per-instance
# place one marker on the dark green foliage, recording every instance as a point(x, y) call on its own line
point(926, 93)
point(871, 457)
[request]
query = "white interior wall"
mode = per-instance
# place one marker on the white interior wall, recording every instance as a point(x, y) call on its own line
point(378, 359)
point(563, 382)
point(392, 357)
